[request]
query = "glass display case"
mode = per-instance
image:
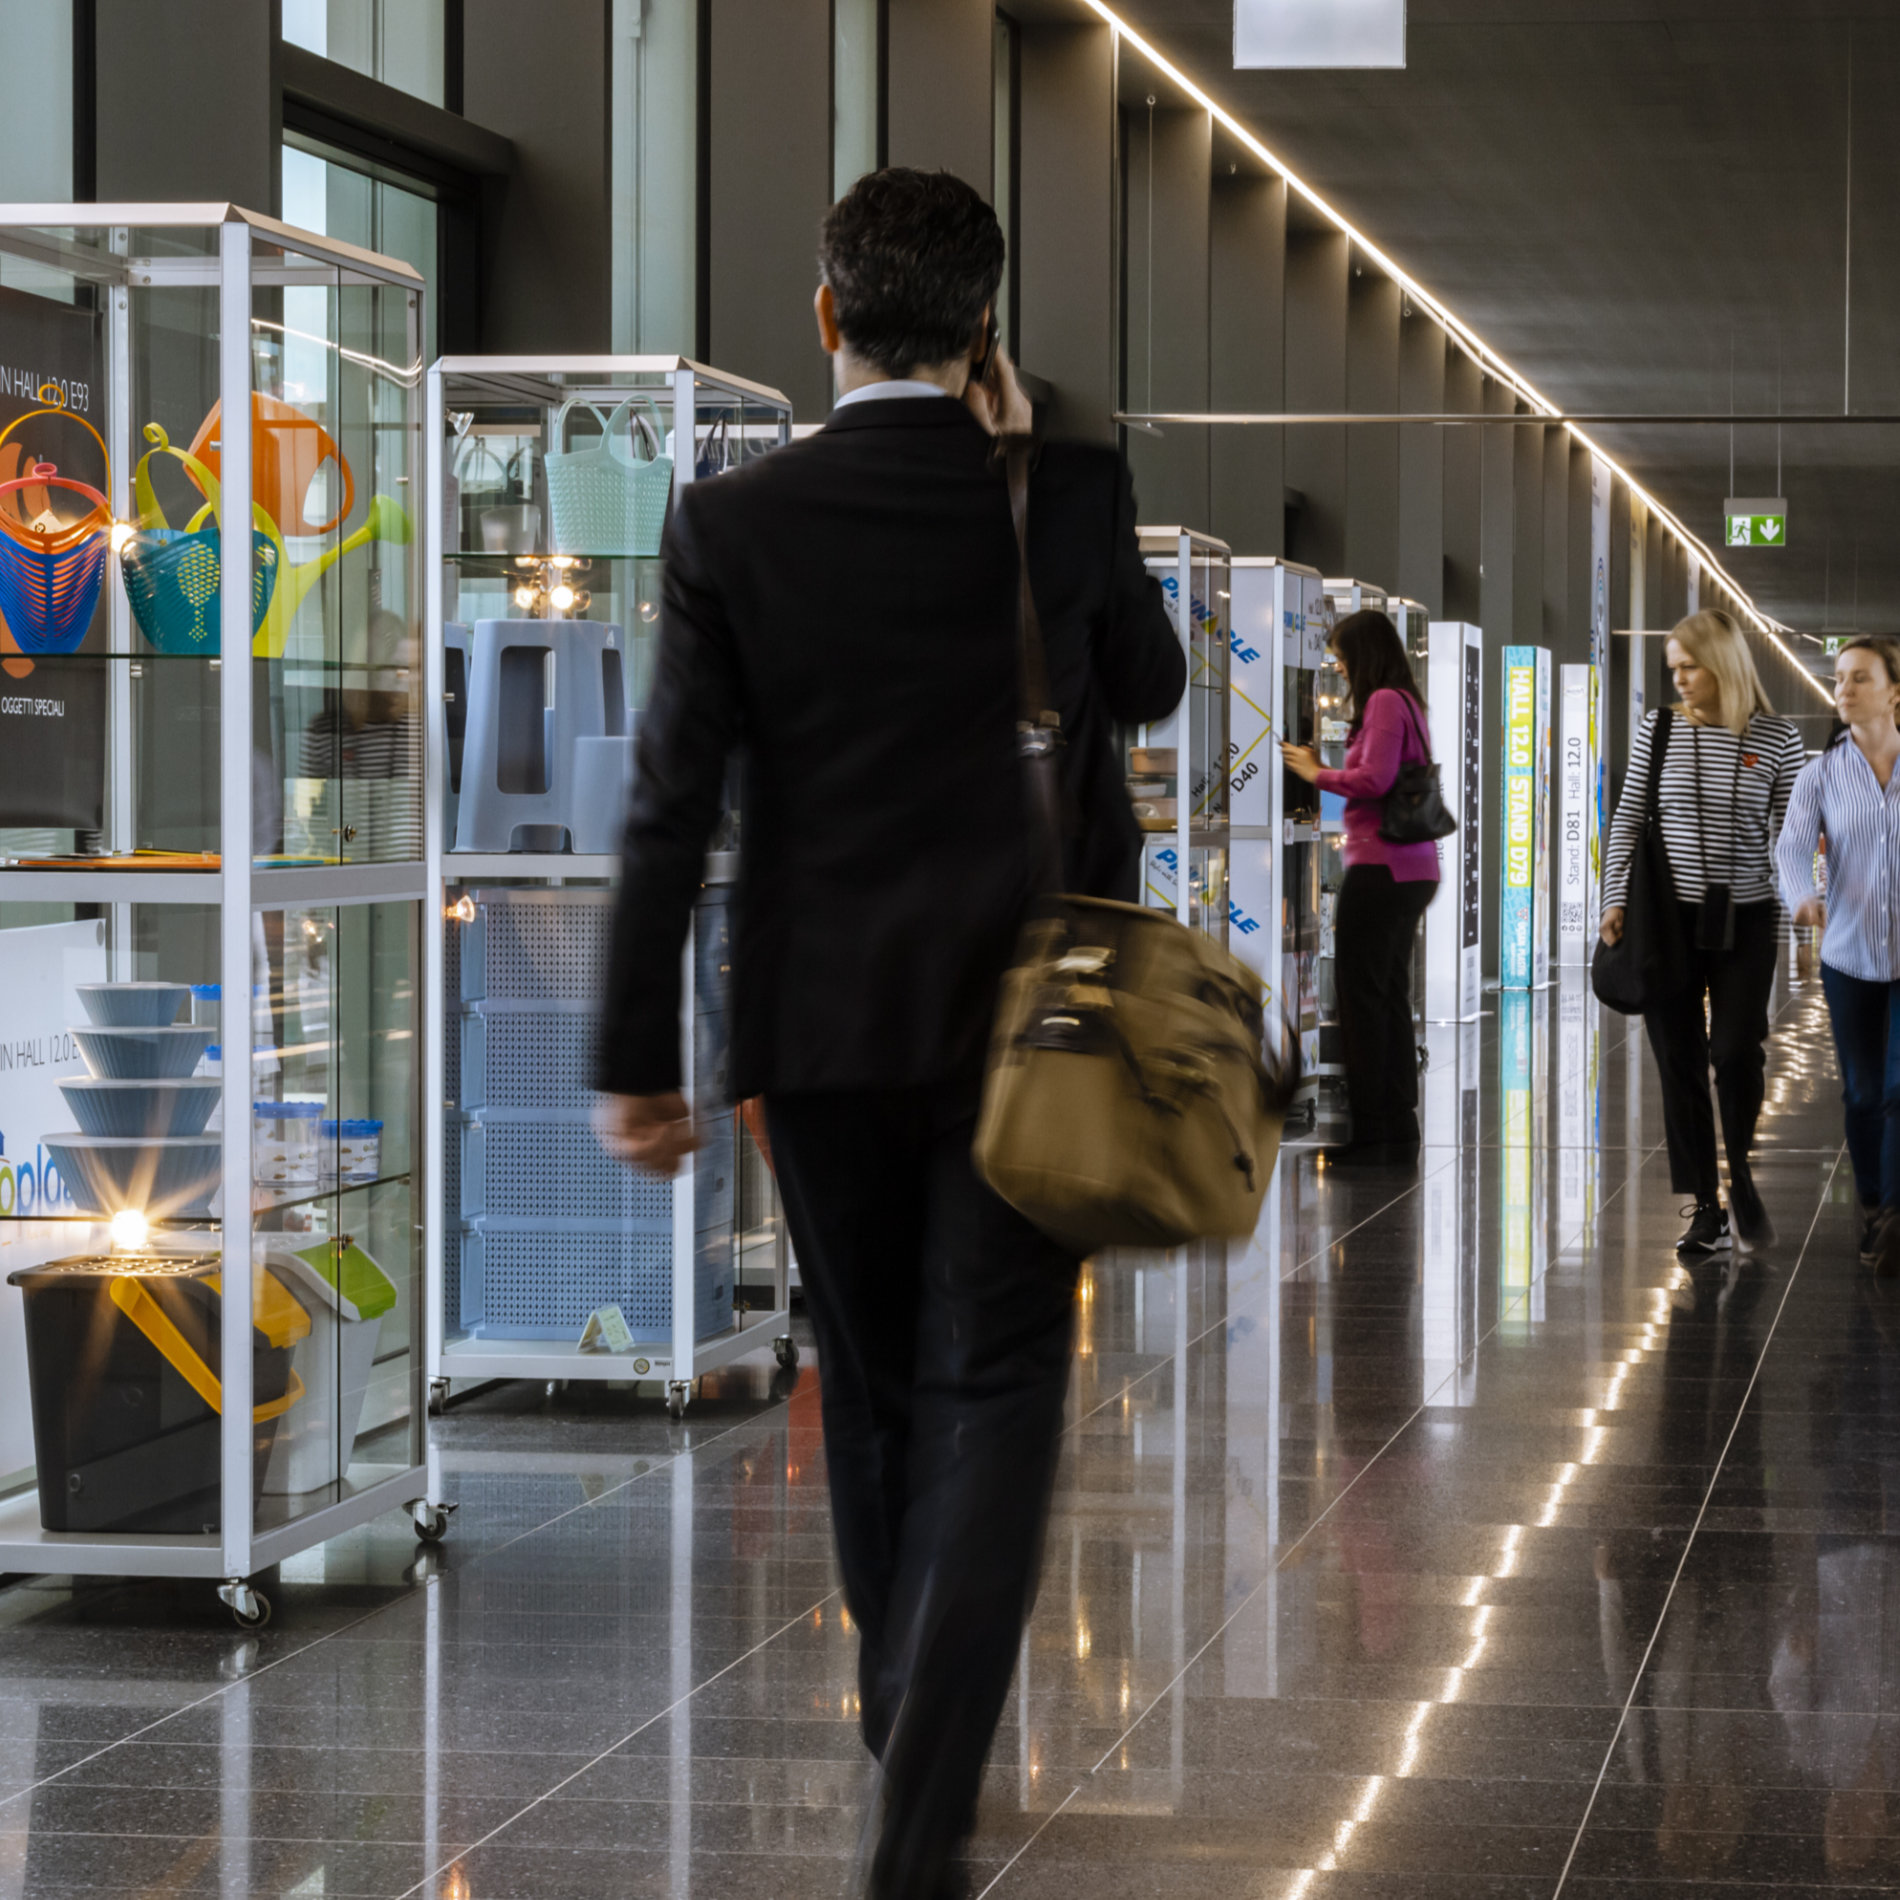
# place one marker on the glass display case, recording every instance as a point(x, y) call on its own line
point(1179, 767)
point(211, 880)
point(551, 480)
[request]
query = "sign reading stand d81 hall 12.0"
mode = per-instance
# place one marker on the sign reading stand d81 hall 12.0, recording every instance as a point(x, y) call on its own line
point(1755, 521)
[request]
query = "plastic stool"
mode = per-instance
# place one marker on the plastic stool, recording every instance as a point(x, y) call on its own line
point(536, 688)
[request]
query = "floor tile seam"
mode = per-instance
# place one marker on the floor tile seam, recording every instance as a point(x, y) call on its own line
point(204, 1701)
point(1281, 1560)
point(661, 1463)
point(1046, 1823)
point(1688, 1543)
point(659, 1715)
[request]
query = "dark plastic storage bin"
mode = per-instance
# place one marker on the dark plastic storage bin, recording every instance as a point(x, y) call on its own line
point(122, 1354)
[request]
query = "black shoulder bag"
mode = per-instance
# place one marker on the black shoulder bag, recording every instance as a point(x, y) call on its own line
point(1649, 963)
point(1415, 806)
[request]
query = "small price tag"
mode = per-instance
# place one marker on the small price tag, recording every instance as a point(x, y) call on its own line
point(606, 1331)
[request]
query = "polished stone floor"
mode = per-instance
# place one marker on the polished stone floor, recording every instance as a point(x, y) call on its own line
point(1446, 1539)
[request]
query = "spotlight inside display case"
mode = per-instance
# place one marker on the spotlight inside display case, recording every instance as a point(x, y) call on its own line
point(551, 480)
point(211, 882)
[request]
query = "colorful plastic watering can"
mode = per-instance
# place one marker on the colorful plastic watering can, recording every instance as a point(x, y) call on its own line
point(277, 586)
point(172, 575)
point(287, 449)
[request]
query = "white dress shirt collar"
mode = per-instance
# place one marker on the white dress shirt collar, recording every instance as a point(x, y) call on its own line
point(881, 392)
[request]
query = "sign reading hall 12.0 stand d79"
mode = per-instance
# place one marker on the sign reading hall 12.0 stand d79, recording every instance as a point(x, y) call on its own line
point(1755, 521)
point(1524, 913)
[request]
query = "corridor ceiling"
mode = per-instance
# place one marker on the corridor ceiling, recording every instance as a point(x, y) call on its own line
point(1616, 194)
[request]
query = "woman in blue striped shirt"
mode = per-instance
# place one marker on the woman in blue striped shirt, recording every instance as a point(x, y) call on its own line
point(1850, 796)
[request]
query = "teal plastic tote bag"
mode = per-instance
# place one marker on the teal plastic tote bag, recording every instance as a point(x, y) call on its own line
point(606, 500)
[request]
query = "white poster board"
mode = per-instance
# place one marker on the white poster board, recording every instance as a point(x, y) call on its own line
point(1578, 845)
point(39, 966)
point(1455, 692)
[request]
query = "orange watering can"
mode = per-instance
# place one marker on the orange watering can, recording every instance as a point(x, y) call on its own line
point(287, 449)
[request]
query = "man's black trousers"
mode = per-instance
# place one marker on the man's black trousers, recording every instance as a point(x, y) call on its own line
point(944, 1323)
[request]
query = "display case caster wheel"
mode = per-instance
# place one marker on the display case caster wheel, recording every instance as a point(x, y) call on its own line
point(438, 1397)
point(677, 1394)
point(786, 1347)
point(249, 1606)
point(431, 1520)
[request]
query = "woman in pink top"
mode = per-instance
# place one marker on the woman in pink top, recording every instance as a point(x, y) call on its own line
point(1385, 891)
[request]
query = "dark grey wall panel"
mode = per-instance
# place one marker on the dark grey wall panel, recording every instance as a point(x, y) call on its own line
point(938, 94)
point(1316, 299)
point(1464, 514)
point(1421, 569)
point(539, 76)
point(1065, 248)
point(1372, 449)
point(768, 188)
point(1559, 632)
point(1498, 602)
point(1166, 365)
point(1527, 526)
point(187, 105)
point(1617, 687)
point(1580, 580)
point(1247, 369)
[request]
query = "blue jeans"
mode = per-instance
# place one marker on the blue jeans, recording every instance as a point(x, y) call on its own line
point(1867, 1043)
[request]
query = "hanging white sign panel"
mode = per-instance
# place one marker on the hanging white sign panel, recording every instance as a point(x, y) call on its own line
point(1319, 33)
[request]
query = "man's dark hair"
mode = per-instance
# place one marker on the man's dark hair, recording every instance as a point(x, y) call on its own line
point(912, 258)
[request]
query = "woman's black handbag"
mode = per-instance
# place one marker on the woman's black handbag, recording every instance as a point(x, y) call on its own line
point(1649, 963)
point(1415, 806)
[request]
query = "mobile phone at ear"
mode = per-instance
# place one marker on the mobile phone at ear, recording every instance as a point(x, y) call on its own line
point(985, 369)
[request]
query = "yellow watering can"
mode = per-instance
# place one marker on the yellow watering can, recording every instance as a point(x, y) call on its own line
point(171, 575)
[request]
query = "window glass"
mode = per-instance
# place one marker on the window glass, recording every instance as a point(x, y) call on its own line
point(655, 176)
point(36, 107)
point(854, 58)
point(328, 197)
point(400, 42)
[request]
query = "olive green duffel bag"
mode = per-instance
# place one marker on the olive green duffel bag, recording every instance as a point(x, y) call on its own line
point(1129, 1099)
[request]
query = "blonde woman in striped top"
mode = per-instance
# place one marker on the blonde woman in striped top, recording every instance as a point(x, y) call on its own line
point(1729, 767)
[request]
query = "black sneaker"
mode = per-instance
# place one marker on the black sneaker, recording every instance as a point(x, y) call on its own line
point(1886, 1248)
point(1870, 1237)
point(1708, 1229)
point(1753, 1229)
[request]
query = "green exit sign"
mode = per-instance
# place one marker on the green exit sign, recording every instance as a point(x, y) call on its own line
point(1755, 521)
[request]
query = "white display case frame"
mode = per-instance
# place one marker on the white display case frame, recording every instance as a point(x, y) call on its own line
point(1174, 552)
point(680, 1359)
point(235, 1553)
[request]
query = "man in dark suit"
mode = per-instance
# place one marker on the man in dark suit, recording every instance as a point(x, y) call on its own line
point(839, 620)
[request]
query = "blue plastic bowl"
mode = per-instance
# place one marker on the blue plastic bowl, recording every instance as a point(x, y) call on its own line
point(133, 1005)
point(165, 1179)
point(102, 1106)
point(144, 1055)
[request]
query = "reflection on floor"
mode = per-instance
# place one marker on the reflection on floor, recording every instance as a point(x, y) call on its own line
point(1448, 1538)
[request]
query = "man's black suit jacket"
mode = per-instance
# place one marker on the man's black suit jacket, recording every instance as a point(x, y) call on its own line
point(839, 619)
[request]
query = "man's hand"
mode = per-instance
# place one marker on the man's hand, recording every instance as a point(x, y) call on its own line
point(1813, 914)
point(997, 400)
point(651, 1132)
point(1611, 928)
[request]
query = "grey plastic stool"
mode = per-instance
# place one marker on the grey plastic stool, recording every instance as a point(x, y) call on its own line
point(454, 711)
point(536, 688)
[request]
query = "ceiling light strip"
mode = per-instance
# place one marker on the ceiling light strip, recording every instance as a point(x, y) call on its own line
point(1474, 345)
